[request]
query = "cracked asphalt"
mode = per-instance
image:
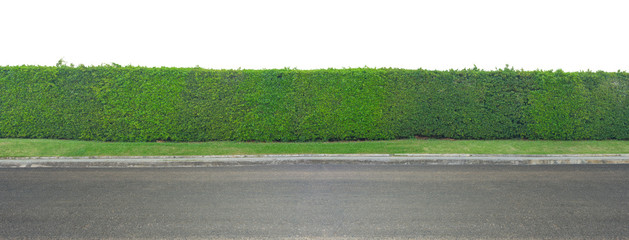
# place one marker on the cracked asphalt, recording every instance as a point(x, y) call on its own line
point(324, 201)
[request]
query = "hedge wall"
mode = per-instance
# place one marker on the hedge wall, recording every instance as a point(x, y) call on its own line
point(115, 103)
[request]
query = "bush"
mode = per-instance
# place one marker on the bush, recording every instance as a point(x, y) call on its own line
point(115, 103)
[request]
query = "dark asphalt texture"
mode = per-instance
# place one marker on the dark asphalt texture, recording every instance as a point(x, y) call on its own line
point(318, 201)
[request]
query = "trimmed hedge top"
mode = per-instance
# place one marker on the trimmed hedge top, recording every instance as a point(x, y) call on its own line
point(114, 103)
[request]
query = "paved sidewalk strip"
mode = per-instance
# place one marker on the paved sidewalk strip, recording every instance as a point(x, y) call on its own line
point(244, 160)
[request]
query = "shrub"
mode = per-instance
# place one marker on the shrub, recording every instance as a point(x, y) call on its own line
point(115, 103)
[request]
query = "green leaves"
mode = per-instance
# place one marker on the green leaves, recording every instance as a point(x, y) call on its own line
point(116, 103)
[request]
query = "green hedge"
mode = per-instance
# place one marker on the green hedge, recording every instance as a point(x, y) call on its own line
point(115, 103)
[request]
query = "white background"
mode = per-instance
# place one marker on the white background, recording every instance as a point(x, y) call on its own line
point(440, 34)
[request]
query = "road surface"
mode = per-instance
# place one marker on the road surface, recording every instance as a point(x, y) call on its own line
point(317, 201)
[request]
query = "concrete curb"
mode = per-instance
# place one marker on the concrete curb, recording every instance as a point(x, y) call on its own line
point(244, 160)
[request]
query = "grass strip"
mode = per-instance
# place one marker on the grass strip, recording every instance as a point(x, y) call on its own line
point(71, 148)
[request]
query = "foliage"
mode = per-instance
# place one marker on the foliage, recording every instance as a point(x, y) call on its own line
point(116, 103)
point(557, 109)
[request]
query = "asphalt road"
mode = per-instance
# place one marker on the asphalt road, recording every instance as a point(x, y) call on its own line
point(317, 201)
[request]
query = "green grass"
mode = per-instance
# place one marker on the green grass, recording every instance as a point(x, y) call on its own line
point(47, 147)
